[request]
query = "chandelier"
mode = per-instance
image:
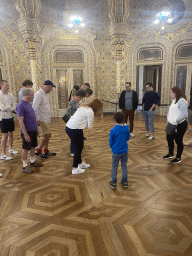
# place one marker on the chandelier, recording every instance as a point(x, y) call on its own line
point(163, 18)
point(76, 21)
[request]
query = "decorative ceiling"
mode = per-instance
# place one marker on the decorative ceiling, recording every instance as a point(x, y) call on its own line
point(96, 14)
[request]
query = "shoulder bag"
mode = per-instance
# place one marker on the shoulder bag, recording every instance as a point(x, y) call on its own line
point(65, 118)
point(170, 128)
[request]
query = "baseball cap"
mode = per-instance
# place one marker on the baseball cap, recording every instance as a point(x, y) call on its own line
point(48, 82)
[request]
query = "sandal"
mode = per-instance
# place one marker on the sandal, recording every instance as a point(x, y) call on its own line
point(36, 164)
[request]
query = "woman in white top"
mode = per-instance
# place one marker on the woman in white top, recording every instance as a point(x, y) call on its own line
point(177, 117)
point(83, 117)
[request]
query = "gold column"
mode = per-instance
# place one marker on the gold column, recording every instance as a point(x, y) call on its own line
point(118, 66)
point(34, 71)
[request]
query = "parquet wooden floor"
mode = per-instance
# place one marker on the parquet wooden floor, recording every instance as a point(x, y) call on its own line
point(54, 213)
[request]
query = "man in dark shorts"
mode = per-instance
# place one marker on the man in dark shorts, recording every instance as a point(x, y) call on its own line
point(7, 106)
point(28, 125)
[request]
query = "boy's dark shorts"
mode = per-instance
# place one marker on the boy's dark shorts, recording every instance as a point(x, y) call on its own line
point(33, 143)
point(7, 125)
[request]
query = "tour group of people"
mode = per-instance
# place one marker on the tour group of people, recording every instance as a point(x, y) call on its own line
point(34, 114)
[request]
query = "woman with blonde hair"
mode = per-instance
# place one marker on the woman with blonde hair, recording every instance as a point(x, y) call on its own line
point(83, 117)
point(176, 123)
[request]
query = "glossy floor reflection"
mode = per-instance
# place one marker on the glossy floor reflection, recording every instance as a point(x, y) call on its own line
point(52, 212)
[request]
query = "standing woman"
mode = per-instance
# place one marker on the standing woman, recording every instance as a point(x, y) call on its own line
point(83, 117)
point(176, 119)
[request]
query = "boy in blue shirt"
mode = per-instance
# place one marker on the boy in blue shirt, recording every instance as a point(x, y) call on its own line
point(119, 135)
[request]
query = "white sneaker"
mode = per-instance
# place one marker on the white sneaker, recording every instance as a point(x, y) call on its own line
point(147, 135)
point(132, 135)
point(13, 151)
point(151, 137)
point(188, 144)
point(77, 170)
point(72, 154)
point(1, 175)
point(83, 165)
point(5, 157)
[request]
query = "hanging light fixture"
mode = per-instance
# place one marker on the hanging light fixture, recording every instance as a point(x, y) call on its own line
point(163, 18)
point(76, 21)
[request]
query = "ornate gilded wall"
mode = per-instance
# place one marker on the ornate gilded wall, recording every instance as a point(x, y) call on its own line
point(100, 67)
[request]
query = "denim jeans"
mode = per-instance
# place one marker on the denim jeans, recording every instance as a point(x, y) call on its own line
point(115, 164)
point(149, 117)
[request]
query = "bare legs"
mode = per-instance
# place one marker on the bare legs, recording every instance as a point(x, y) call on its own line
point(45, 141)
point(25, 154)
point(3, 143)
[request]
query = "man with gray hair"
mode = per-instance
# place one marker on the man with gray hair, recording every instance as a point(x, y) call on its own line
point(28, 126)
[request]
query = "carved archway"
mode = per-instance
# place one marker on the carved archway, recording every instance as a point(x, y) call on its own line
point(55, 44)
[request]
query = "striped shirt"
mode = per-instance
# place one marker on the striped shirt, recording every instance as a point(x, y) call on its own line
point(41, 106)
point(7, 105)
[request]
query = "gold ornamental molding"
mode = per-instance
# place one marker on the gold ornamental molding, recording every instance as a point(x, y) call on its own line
point(118, 32)
point(118, 10)
point(28, 22)
point(68, 36)
point(32, 50)
point(28, 8)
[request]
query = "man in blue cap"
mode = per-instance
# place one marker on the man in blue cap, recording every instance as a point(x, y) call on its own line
point(42, 110)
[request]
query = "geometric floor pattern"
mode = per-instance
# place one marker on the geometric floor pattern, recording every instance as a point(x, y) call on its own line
point(54, 213)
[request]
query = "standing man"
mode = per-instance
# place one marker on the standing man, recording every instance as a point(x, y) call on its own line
point(128, 102)
point(28, 126)
point(150, 100)
point(76, 88)
point(42, 110)
point(7, 106)
point(26, 84)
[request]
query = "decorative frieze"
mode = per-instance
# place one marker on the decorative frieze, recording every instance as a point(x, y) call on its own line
point(28, 22)
point(32, 50)
point(118, 32)
point(29, 29)
point(28, 8)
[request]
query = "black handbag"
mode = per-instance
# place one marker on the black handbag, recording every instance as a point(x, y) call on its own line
point(170, 128)
point(65, 118)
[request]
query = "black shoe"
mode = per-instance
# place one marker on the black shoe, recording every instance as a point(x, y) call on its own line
point(49, 154)
point(168, 156)
point(41, 155)
point(27, 169)
point(112, 185)
point(36, 164)
point(176, 160)
point(125, 184)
